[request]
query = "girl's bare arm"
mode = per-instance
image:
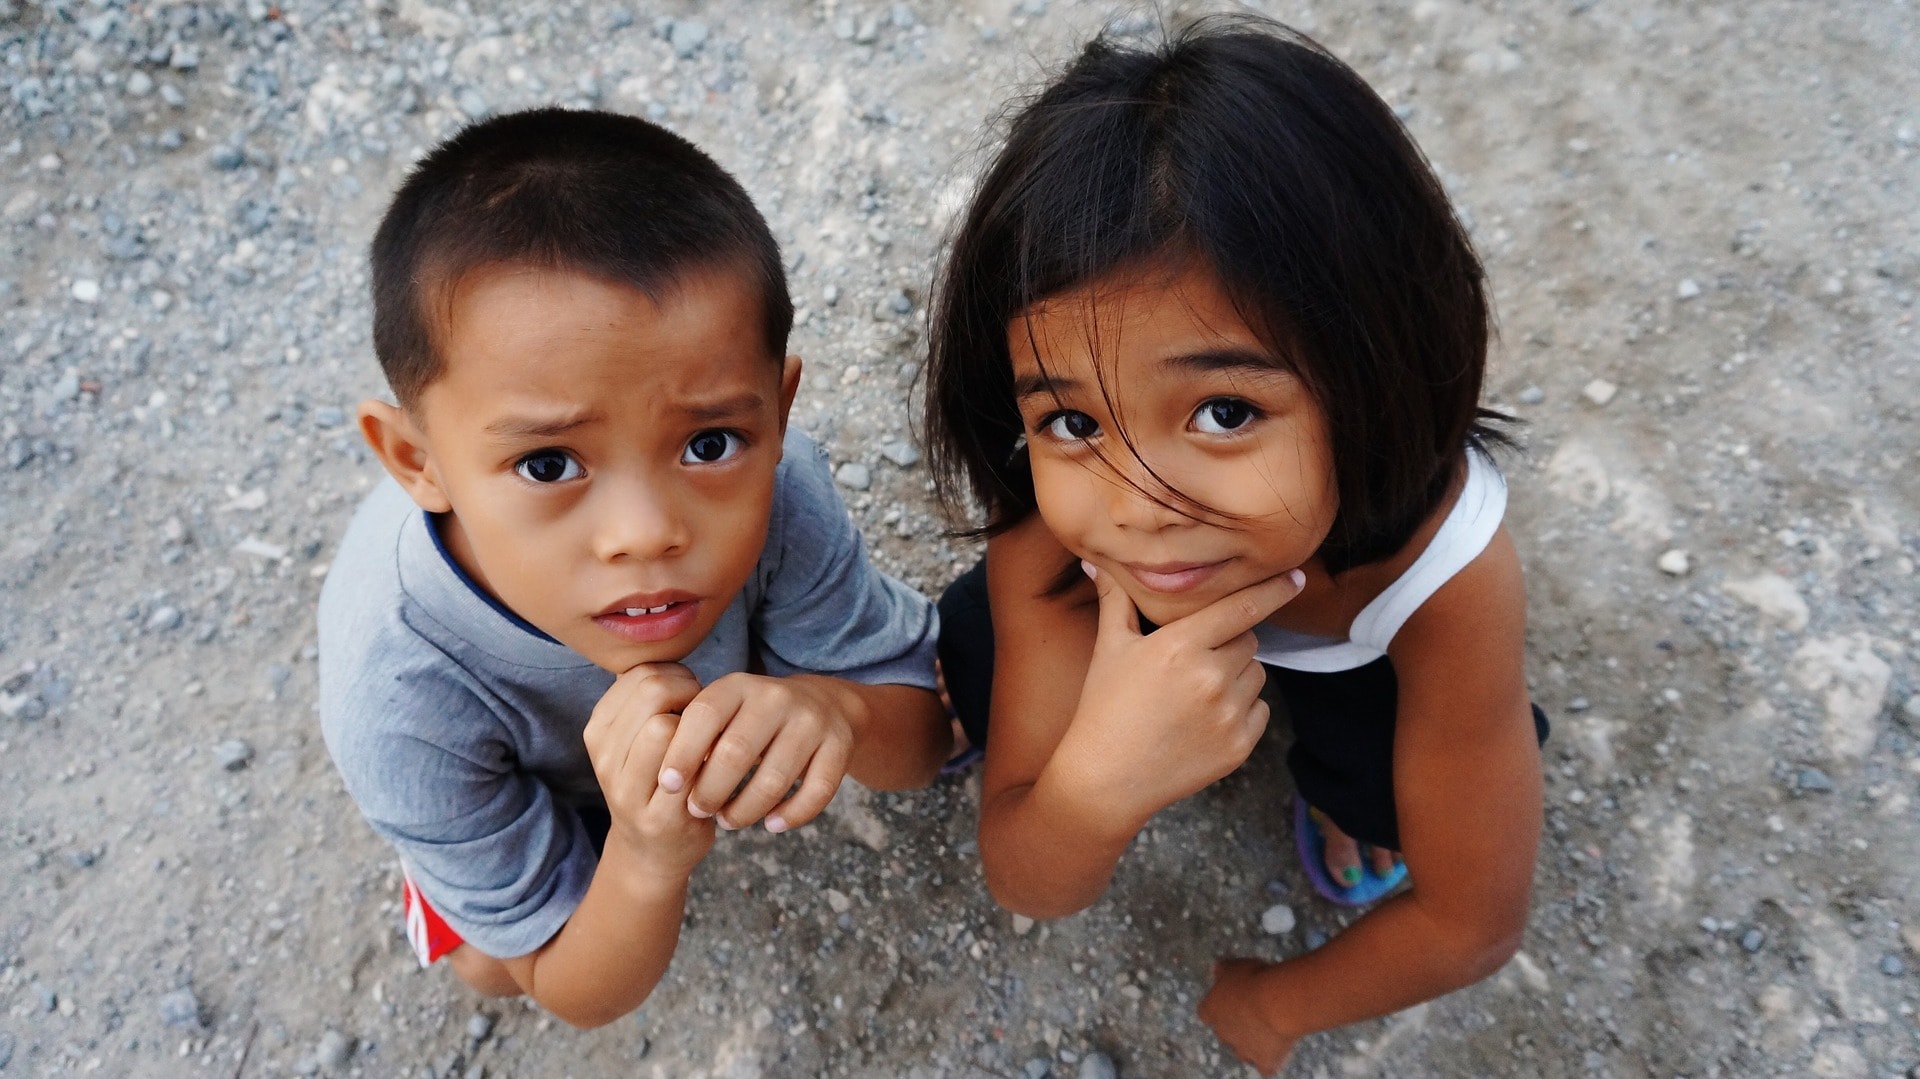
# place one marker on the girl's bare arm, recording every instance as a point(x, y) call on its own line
point(1468, 786)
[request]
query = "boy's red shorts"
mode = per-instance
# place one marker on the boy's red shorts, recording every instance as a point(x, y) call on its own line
point(429, 934)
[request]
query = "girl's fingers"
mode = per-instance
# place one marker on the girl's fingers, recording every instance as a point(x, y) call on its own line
point(1226, 618)
point(783, 764)
point(1119, 618)
point(817, 788)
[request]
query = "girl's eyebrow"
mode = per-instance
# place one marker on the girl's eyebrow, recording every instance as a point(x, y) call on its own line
point(1225, 359)
point(1025, 386)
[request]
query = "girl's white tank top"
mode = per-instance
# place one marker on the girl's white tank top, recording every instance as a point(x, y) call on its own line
point(1468, 529)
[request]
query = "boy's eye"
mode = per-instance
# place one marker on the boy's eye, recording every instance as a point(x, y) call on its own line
point(548, 466)
point(1070, 426)
point(709, 447)
point(1222, 415)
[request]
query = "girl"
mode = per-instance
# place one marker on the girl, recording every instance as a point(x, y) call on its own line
point(1208, 352)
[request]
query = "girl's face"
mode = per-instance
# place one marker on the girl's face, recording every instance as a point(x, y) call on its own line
point(1192, 394)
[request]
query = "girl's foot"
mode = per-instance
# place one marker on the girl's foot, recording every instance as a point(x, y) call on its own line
point(1343, 853)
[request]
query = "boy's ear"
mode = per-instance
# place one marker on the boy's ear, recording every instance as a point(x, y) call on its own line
point(789, 386)
point(394, 438)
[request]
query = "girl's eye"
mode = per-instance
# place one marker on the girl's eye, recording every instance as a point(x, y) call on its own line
point(1223, 415)
point(548, 466)
point(710, 447)
point(1070, 426)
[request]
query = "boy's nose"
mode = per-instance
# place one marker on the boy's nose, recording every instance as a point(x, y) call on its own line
point(639, 522)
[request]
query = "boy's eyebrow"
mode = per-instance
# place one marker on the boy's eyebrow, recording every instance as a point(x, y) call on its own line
point(724, 408)
point(516, 427)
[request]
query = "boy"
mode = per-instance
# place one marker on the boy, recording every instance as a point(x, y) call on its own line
point(534, 640)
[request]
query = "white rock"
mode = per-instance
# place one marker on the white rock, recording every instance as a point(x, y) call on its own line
point(86, 290)
point(1852, 680)
point(1600, 391)
point(854, 475)
point(1277, 919)
point(1675, 563)
point(1022, 925)
point(1688, 289)
point(1773, 596)
point(838, 900)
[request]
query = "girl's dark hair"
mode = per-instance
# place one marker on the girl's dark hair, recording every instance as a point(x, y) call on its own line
point(1246, 146)
point(596, 193)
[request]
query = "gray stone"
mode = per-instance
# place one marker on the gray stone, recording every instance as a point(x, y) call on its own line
point(903, 17)
point(6, 1049)
point(49, 1000)
point(1753, 940)
point(687, 37)
point(1532, 395)
point(854, 475)
point(1813, 779)
point(329, 417)
point(1037, 1068)
point(227, 158)
point(472, 104)
point(1097, 1065)
point(901, 453)
point(163, 619)
point(139, 84)
point(333, 1051)
point(479, 1026)
point(1277, 919)
point(233, 754)
point(180, 1009)
point(19, 452)
point(1891, 965)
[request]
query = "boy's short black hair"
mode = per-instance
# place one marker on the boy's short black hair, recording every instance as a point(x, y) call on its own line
point(598, 193)
point(1248, 147)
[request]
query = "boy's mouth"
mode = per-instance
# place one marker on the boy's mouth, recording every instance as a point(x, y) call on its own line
point(648, 617)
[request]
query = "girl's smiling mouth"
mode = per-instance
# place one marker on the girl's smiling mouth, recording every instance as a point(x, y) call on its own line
point(1173, 577)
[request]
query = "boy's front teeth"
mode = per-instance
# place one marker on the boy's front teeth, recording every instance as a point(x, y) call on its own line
point(635, 612)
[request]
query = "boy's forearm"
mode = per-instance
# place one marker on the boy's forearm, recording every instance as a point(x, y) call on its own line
point(613, 950)
point(901, 736)
point(1393, 958)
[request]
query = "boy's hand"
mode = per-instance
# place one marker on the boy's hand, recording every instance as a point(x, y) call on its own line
point(1163, 715)
point(627, 739)
point(1232, 1009)
point(784, 731)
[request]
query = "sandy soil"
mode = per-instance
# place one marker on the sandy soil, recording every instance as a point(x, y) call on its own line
point(1699, 219)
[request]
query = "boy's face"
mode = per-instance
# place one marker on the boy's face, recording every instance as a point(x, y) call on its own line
point(606, 462)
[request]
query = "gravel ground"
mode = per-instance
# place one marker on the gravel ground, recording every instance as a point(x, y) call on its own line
point(1700, 222)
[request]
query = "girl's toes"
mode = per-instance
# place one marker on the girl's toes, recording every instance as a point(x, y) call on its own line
point(1343, 855)
point(1384, 861)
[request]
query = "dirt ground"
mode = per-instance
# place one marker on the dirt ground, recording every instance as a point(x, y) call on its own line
point(1700, 223)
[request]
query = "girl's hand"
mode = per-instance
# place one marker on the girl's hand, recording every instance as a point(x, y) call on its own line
point(627, 739)
point(1163, 715)
point(1232, 1009)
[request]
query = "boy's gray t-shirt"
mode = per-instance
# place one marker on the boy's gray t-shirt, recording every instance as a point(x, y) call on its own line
point(457, 726)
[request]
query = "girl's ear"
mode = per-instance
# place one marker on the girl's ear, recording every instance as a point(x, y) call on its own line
point(789, 386)
point(402, 447)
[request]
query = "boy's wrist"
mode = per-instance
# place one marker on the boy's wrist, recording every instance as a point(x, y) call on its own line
point(644, 872)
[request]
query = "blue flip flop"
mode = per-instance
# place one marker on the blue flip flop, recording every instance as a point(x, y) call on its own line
point(1313, 858)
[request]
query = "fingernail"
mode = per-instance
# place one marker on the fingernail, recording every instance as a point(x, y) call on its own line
point(1350, 875)
point(724, 825)
point(695, 810)
point(776, 825)
point(1298, 578)
point(672, 780)
point(1086, 567)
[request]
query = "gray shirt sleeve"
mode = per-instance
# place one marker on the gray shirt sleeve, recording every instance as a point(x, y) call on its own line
point(824, 608)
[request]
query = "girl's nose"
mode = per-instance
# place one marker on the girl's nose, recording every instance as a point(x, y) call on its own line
point(640, 522)
point(1140, 502)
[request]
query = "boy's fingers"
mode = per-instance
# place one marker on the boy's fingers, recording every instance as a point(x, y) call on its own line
point(639, 770)
point(783, 764)
point(700, 723)
point(1119, 618)
point(822, 780)
point(749, 725)
point(1231, 615)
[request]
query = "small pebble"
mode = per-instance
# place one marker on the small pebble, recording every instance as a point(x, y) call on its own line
point(901, 453)
point(1689, 289)
point(334, 1050)
point(1098, 1066)
point(687, 37)
point(227, 158)
point(1578, 704)
point(6, 1049)
point(1675, 563)
point(479, 1025)
point(139, 84)
point(1891, 966)
point(181, 1009)
point(854, 476)
point(1277, 919)
point(329, 417)
point(1813, 779)
point(233, 754)
point(472, 104)
point(163, 619)
point(1037, 1068)
point(1753, 940)
point(1022, 925)
point(86, 290)
point(1600, 392)
point(1532, 395)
